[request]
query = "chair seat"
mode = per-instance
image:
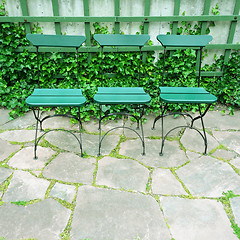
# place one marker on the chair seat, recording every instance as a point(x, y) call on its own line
point(56, 98)
point(121, 95)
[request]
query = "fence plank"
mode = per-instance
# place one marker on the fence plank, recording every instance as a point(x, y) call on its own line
point(232, 30)
point(175, 13)
point(24, 8)
point(55, 8)
point(87, 26)
point(146, 23)
point(117, 14)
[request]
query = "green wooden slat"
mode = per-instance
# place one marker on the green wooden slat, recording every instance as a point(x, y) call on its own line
point(232, 30)
point(88, 19)
point(146, 23)
point(117, 14)
point(87, 26)
point(24, 8)
point(55, 8)
point(206, 10)
point(175, 13)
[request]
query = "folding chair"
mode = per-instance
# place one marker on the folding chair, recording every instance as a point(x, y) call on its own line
point(131, 96)
point(189, 95)
point(42, 97)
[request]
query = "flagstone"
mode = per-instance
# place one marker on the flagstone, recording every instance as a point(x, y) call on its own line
point(122, 173)
point(24, 158)
point(18, 135)
point(102, 214)
point(7, 149)
point(69, 167)
point(25, 187)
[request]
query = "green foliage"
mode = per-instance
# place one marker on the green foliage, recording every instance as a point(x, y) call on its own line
point(18, 71)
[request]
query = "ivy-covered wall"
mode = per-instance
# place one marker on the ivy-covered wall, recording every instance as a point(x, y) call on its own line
point(18, 71)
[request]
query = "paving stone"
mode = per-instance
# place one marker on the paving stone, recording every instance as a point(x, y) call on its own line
point(24, 187)
point(67, 142)
point(24, 121)
point(197, 219)
point(68, 167)
point(192, 140)
point(92, 126)
point(63, 191)
point(221, 153)
point(229, 139)
point(4, 174)
point(173, 156)
point(122, 173)
point(102, 214)
point(192, 156)
point(42, 220)
point(4, 115)
point(235, 204)
point(224, 121)
point(6, 149)
point(18, 135)
point(209, 177)
point(59, 123)
point(169, 123)
point(236, 162)
point(164, 182)
point(24, 158)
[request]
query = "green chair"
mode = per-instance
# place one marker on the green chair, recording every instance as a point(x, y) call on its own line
point(131, 96)
point(189, 95)
point(42, 97)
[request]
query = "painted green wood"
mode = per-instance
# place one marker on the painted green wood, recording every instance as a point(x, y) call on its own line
point(146, 24)
point(87, 26)
point(55, 8)
point(88, 19)
point(180, 90)
point(206, 10)
point(121, 40)
point(24, 8)
point(125, 95)
point(188, 98)
point(232, 30)
point(117, 14)
point(42, 40)
point(175, 13)
point(184, 40)
point(56, 98)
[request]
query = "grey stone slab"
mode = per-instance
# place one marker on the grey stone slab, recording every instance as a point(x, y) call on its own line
point(24, 187)
point(236, 162)
point(63, 191)
point(197, 219)
point(7, 149)
point(24, 158)
point(235, 204)
point(209, 177)
point(58, 123)
point(42, 220)
point(4, 174)
point(229, 139)
point(218, 120)
point(67, 142)
point(92, 126)
point(107, 214)
point(173, 156)
point(122, 173)
point(24, 121)
point(18, 135)
point(169, 123)
point(164, 182)
point(68, 167)
point(4, 115)
point(223, 154)
point(192, 140)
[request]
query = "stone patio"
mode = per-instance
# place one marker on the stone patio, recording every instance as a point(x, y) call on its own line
point(121, 195)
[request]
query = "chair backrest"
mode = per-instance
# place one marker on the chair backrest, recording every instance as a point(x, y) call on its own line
point(186, 41)
point(121, 40)
point(44, 40)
